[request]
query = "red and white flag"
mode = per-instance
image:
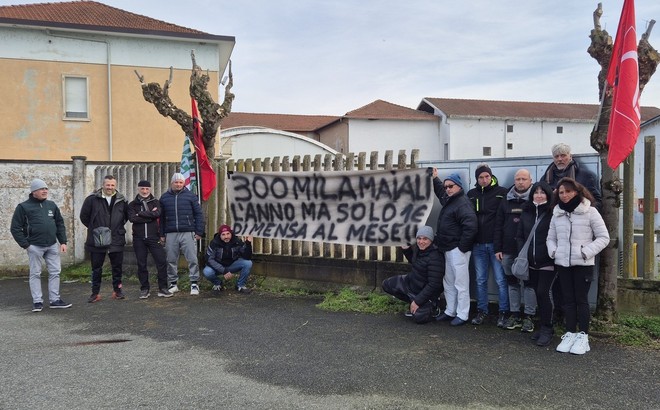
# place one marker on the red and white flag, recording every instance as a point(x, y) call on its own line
point(206, 173)
point(623, 77)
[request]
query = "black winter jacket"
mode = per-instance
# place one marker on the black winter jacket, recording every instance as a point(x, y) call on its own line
point(428, 269)
point(538, 251)
point(486, 202)
point(181, 212)
point(96, 212)
point(217, 249)
point(37, 223)
point(506, 222)
point(457, 222)
point(144, 214)
point(585, 177)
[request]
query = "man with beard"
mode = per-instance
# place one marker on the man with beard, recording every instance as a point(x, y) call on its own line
point(506, 250)
point(227, 254)
point(563, 165)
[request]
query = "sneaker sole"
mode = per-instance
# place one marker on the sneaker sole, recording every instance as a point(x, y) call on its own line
point(97, 299)
point(162, 295)
point(145, 297)
point(37, 310)
point(60, 307)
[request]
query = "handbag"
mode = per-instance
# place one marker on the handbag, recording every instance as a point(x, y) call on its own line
point(520, 267)
point(102, 237)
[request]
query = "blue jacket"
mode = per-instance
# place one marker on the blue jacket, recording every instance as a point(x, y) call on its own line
point(181, 212)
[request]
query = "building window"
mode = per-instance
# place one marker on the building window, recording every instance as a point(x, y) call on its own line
point(487, 151)
point(446, 153)
point(509, 128)
point(509, 145)
point(560, 130)
point(76, 98)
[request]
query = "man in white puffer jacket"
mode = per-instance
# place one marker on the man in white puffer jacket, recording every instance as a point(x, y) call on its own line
point(577, 234)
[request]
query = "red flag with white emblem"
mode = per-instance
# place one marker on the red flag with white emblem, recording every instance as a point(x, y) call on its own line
point(206, 172)
point(623, 77)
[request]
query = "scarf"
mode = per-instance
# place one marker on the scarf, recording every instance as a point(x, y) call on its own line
point(555, 174)
point(570, 205)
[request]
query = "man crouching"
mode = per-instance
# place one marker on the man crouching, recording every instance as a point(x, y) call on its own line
point(421, 287)
point(226, 254)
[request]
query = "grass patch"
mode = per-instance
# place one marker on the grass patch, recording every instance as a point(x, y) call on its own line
point(348, 300)
point(632, 330)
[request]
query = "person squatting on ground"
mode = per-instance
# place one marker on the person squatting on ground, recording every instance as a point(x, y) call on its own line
point(102, 210)
point(181, 225)
point(144, 212)
point(506, 248)
point(455, 232)
point(541, 267)
point(421, 287)
point(486, 197)
point(226, 254)
point(38, 227)
point(576, 235)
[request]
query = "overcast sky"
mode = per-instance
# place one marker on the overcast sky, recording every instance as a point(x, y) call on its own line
point(333, 56)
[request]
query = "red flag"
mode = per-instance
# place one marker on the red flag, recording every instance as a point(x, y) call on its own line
point(623, 77)
point(207, 175)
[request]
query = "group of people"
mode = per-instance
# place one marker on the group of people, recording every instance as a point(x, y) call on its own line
point(165, 227)
point(490, 224)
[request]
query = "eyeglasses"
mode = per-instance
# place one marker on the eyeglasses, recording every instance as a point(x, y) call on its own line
point(450, 186)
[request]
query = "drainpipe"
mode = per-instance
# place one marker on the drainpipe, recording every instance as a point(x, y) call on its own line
point(109, 72)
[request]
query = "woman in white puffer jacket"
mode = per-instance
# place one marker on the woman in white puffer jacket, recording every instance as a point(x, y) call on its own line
point(577, 234)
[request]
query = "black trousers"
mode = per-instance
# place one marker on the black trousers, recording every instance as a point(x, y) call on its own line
point(575, 283)
point(116, 262)
point(142, 246)
point(542, 281)
point(397, 287)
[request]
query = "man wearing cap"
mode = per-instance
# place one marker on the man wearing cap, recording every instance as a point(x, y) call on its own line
point(486, 197)
point(38, 227)
point(181, 224)
point(144, 212)
point(226, 254)
point(455, 233)
point(421, 287)
point(102, 210)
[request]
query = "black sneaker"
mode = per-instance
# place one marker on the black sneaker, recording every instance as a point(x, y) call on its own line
point(144, 293)
point(444, 318)
point(164, 293)
point(527, 325)
point(94, 298)
point(118, 294)
point(243, 290)
point(59, 304)
point(408, 314)
point(37, 307)
point(501, 320)
point(479, 319)
point(513, 322)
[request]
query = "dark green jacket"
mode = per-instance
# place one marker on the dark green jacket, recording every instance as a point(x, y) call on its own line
point(37, 223)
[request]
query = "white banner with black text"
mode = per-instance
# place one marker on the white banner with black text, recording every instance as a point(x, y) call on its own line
point(343, 207)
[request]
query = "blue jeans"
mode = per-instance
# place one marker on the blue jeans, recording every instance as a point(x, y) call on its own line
point(483, 256)
point(242, 265)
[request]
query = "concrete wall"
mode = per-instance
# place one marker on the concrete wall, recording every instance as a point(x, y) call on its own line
point(468, 137)
point(395, 135)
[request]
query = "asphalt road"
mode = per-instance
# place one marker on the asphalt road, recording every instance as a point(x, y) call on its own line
point(264, 351)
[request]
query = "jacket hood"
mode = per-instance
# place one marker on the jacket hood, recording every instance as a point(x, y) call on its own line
point(99, 194)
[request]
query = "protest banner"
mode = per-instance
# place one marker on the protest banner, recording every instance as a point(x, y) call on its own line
point(346, 207)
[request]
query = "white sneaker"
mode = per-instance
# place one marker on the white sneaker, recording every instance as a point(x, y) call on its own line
point(581, 345)
point(566, 342)
point(194, 289)
point(173, 288)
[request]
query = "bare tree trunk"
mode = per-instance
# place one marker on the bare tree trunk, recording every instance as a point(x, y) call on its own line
point(611, 185)
point(211, 112)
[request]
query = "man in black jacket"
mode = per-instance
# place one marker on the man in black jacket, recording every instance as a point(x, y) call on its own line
point(144, 212)
point(486, 197)
point(421, 287)
point(226, 254)
point(37, 226)
point(506, 250)
point(105, 209)
point(457, 227)
point(563, 165)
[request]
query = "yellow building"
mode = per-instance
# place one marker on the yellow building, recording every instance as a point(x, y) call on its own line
point(69, 85)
